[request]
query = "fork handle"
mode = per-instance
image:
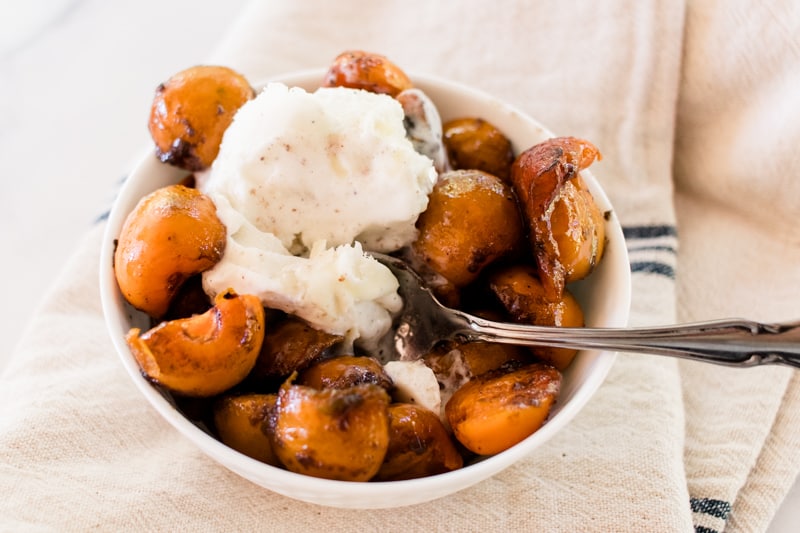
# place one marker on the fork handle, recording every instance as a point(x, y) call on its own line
point(733, 342)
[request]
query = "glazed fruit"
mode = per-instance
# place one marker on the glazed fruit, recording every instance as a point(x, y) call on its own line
point(290, 345)
point(334, 433)
point(206, 354)
point(472, 219)
point(192, 110)
point(539, 176)
point(172, 234)
point(419, 445)
point(525, 298)
point(473, 143)
point(243, 423)
point(579, 230)
point(345, 371)
point(364, 70)
point(496, 410)
point(472, 358)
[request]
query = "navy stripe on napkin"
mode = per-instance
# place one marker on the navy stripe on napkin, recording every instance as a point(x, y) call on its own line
point(707, 511)
point(649, 231)
point(715, 508)
point(652, 249)
point(653, 267)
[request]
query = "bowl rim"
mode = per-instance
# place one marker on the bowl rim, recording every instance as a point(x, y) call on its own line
point(348, 494)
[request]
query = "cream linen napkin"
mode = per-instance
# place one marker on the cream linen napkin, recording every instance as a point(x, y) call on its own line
point(738, 200)
point(663, 446)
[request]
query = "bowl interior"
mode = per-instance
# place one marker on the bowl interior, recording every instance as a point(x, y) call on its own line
point(604, 296)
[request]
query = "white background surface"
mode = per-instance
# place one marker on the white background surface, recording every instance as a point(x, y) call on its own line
point(76, 81)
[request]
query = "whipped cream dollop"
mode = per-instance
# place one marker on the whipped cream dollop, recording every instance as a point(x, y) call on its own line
point(304, 183)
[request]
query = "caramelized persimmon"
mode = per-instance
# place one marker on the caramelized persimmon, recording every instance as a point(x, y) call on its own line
point(472, 219)
point(344, 371)
point(498, 409)
point(333, 433)
point(205, 354)
point(172, 234)
point(192, 110)
point(475, 358)
point(368, 71)
point(290, 345)
point(539, 175)
point(419, 445)
point(526, 300)
point(474, 143)
point(579, 230)
point(243, 423)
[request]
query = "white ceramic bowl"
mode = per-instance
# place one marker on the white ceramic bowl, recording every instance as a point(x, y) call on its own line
point(605, 297)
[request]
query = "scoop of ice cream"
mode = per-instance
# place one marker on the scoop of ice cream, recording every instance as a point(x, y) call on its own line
point(333, 165)
point(300, 180)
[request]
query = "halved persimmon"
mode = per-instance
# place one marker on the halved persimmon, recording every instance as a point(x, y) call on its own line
point(205, 354)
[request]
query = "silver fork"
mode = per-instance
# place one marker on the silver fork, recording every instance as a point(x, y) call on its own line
point(424, 321)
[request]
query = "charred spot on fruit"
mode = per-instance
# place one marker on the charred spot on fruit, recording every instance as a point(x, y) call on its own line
point(342, 404)
point(181, 154)
point(306, 459)
point(570, 171)
point(418, 446)
point(175, 280)
point(190, 131)
point(478, 259)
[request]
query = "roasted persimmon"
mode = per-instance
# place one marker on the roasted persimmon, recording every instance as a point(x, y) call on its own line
point(338, 434)
point(524, 296)
point(419, 445)
point(192, 110)
point(364, 70)
point(205, 354)
point(290, 345)
point(539, 176)
point(243, 423)
point(579, 230)
point(344, 371)
point(171, 234)
point(498, 409)
point(472, 219)
point(474, 143)
point(481, 357)
point(472, 358)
